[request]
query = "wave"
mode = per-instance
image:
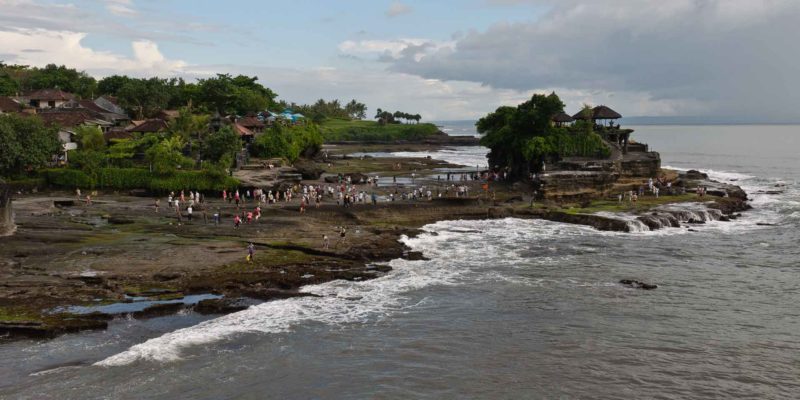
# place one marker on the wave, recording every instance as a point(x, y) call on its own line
point(375, 298)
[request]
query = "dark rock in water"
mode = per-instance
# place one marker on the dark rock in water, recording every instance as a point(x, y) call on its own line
point(158, 310)
point(637, 285)
point(220, 306)
point(765, 224)
point(695, 174)
point(415, 256)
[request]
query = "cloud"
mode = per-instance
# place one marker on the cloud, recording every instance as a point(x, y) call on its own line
point(726, 57)
point(65, 47)
point(117, 18)
point(120, 7)
point(397, 8)
point(413, 48)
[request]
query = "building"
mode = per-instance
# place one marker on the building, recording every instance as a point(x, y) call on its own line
point(48, 98)
point(9, 105)
point(155, 125)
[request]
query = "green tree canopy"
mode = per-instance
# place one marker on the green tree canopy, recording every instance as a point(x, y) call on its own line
point(520, 138)
point(26, 143)
point(222, 144)
point(91, 138)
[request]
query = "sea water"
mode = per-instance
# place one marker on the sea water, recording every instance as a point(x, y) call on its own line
point(502, 309)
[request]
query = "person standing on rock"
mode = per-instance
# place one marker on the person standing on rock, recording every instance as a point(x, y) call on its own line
point(189, 213)
point(236, 221)
point(325, 242)
point(342, 236)
point(251, 252)
point(157, 205)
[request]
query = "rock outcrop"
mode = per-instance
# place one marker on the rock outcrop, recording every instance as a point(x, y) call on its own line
point(7, 226)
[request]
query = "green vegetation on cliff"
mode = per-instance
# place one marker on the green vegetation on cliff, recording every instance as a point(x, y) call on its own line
point(289, 142)
point(521, 138)
point(341, 130)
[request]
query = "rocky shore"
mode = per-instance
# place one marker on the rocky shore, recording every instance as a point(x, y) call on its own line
point(71, 267)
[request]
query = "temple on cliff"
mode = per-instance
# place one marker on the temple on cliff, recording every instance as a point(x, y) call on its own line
point(583, 177)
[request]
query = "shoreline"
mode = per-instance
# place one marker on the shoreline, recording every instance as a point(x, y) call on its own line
point(119, 251)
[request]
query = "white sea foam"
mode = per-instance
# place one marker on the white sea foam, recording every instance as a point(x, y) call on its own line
point(376, 298)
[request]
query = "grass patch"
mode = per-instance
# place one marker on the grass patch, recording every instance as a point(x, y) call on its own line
point(18, 314)
point(335, 130)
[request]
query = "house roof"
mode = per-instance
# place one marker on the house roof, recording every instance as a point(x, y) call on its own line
point(117, 134)
point(66, 119)
point(251, 122)
point(50, 95)
point(151, 125)
point(7, 104)
point(241, 130)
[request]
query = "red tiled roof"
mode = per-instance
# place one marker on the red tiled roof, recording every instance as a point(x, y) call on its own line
point(50, 95)
point(9, 105)
point(251, 122)
point(65, 119)
point(242, 131)
point(150, 126)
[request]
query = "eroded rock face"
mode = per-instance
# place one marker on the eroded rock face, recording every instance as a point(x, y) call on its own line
point(7, 226)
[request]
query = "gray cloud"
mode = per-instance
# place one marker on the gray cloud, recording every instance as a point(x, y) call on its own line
point(397, 8)
point(726, 57)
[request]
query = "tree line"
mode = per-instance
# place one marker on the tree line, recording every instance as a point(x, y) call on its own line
point(144, 97)
point(321, 109)
point(386, 117)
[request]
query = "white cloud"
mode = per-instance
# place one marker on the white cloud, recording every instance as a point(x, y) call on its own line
point(65, 47)
point(397, 8)
point(121, 7)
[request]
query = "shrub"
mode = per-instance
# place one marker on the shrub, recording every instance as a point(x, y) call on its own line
point(137, 178)
point(67, 178)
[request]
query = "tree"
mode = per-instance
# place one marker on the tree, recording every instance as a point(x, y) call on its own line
point(66, 79)
point(111, 85)
point(26, 143)
point(221, 144)
point(187, 124)
point(91, 138)
point(240, 94)
point(508, 133)
point(166, 156)
point(143, 98)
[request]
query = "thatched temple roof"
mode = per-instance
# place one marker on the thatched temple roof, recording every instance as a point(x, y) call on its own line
point(562, 117)
point(599, 112)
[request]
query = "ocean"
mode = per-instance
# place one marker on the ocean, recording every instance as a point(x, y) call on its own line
point(503, 309)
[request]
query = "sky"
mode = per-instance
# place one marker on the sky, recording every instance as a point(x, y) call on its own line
point(446, 60)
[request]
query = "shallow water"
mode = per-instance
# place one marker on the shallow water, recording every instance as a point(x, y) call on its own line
point(503, 309)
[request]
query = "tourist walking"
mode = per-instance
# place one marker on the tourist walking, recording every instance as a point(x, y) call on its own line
point(251, 252)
